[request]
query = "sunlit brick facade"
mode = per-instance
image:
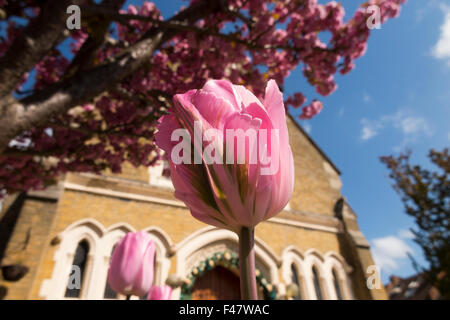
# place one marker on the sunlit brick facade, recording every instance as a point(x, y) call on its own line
point(315, 242)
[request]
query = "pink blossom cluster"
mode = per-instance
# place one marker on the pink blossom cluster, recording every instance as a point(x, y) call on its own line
point(259, 40)
point(311, 110)
point(148, 9)
point(79, 36)
point(50, 69)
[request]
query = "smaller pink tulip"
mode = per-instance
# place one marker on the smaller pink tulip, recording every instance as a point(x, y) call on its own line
point(131, 268)
point(160, 293)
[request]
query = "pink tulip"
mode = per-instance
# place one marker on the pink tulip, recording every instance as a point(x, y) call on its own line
point(160, 293)
point(234, 195)
point(131, 268)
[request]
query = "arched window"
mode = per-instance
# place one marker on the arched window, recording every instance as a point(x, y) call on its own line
point(295, 280)
point(109, 292)
point(337, 287)
point(77, 271)
point(317, 287)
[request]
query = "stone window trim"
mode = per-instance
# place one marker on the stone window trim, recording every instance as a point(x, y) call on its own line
point(101, 242)
point(324, 264)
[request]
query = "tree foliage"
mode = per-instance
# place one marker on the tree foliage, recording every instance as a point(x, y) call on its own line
point(426, 197)
point(93, 107)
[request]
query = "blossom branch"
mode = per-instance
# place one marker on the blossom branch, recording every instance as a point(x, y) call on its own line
point(58, 98)
point(123, 18)
point(84, 58)
point(32, 44)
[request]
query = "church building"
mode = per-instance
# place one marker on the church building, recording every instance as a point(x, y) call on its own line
point(314, 245)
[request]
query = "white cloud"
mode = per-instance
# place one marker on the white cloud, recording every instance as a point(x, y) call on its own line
point(405, 234)
point(341, 112)
point(389, 252)
point(369, 129)
point(367, 98)
point(307, 127)
point(410, 126)
point(442, 48)
point(413, 125)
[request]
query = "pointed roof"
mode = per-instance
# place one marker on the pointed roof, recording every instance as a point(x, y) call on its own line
point(314, 144)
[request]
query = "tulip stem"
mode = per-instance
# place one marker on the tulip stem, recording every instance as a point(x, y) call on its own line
point(247, 263)
point(128, 297)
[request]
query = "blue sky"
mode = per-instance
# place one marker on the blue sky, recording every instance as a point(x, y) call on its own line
point(396, 98)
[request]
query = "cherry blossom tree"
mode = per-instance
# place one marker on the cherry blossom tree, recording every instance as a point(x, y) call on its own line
point(86, 100)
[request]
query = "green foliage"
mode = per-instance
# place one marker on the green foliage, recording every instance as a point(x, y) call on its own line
point(426, 197)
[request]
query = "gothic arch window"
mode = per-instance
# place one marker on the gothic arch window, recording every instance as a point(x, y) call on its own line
point(78, 246)
point(295, 280)
point(319, 276)
point(337, 287)
point(77, 274)
point(109, 292)
point(89, 246)
point(336, 272)
point(317, 287)
point(294, 270)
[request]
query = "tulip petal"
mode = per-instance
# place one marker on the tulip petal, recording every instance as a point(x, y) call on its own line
point(241, 193)
point(163, 137)
point(129, 260)
point(131, 266)
point(273, 101)
point(160, 293)
point(144, 278)
point(246, 97)
point(213, 108)
point(285, 183)
point(225, 89)
point(223, 188)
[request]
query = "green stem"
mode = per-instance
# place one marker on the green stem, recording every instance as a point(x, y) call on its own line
point(247, 263)
point(128, 297)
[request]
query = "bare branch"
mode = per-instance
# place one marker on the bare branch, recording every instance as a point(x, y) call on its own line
point(32, 44)
point(37, 109)
point(84, 58)
point(123, 18)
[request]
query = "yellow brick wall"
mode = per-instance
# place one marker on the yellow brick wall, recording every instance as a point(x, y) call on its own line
point(130, 172)
point(313, 191)
point(177, 222)
point(316, 190)
point(27, 242)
